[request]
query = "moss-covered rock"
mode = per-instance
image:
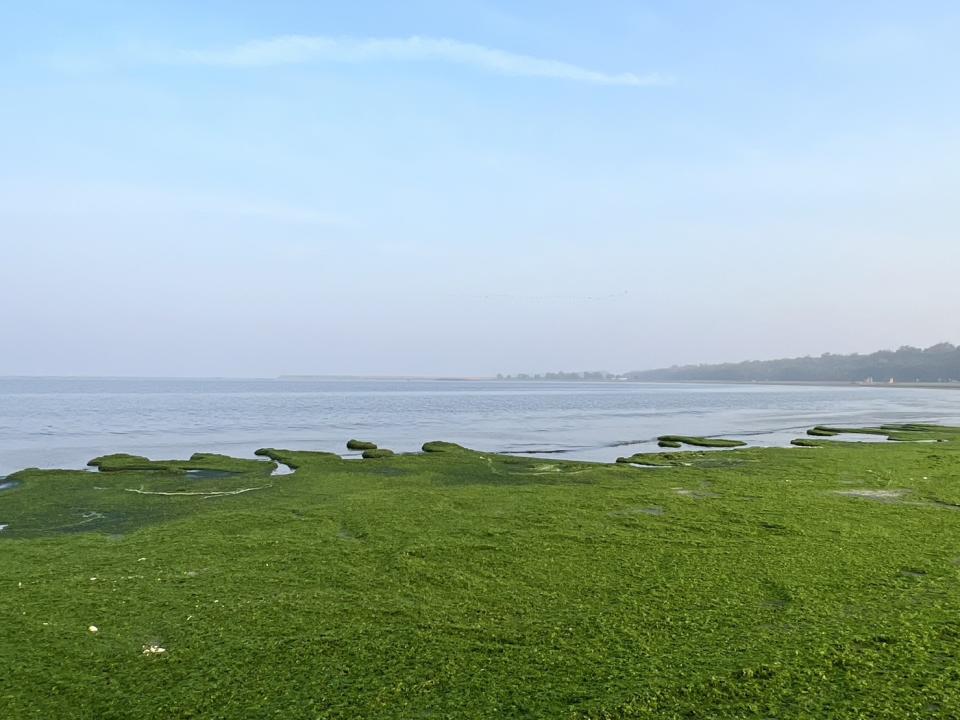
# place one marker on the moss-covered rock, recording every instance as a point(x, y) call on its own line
point(699, 441)
point(116, 459)
point(439, 446)
point(361, 445)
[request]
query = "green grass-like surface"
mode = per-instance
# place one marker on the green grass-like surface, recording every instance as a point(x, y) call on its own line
point(669, 443)
point(750, 583)
point(361, 445)
point(677, 440)
point(901, 432)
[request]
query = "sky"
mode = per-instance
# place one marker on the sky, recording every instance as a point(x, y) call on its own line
point(250, 189)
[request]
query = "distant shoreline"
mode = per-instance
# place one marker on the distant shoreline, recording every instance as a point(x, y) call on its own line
point(814, 383)
point(799, 383)
point(506, 381)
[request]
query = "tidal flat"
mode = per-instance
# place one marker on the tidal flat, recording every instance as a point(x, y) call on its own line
point(805, 582)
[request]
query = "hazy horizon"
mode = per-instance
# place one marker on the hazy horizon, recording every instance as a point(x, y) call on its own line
point(409, 376)
point(435, 190)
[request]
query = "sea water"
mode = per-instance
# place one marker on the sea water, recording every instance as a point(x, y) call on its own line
point(64, 422)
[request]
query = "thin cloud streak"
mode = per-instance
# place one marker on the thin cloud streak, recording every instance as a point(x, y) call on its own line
point(303, 49)
point(110, 200)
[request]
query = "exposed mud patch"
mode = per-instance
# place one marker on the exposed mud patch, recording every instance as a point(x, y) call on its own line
point(945, 505)
point(344, 533)
point(654, 510)
point(695, 494)
point(912, 573)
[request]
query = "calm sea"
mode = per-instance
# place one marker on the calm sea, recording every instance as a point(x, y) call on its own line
point(64, 422)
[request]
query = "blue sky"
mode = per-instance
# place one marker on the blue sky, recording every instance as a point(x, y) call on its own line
point(243, 188)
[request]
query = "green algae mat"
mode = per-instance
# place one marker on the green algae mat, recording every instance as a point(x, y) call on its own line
point(806, 582)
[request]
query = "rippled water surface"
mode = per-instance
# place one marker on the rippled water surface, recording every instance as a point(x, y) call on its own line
point(46, 422)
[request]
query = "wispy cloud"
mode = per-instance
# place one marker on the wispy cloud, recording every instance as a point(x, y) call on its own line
point(112, 199)
point(302, 49)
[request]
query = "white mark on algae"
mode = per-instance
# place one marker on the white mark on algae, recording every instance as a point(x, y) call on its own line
point(212, 493)
point(873, 494)
point(153, 650)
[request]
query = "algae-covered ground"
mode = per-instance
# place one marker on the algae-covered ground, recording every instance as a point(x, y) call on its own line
point(808, 582)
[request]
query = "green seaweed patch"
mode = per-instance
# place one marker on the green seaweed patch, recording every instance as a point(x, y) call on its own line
point(923, 427)
point(898, 432)
point(123, 462)
point(699, 441)
point(119, 460)
point(440, 446)
point(689, 458)
point(253, 584)
point(669, 443)
point(122, 500)
point(361, 445)
point(807, 442)
point(373, 453)
point(828, 430)
point(919, 432)
point(297, 458)
point(651, 459)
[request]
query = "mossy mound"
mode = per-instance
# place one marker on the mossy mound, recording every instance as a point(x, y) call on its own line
point(373, 453)
point(898, 432)
point(691, 458)
point(361, 445)
point(439, 446)
point(669, 443)
point(699, 441)
point(296, 458)
point(824, 430)
point(123, 462)
point(107, 462)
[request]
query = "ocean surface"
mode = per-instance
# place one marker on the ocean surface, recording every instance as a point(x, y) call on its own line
point(64, 422)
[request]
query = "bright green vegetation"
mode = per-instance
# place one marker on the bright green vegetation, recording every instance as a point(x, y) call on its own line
point(198, 463)
point(374, 453)
point(747, 583)
point(360, 445)
point(699, 459)
point(676, 440)
point(901, 432)
point(439, 446)
point(293, 458)
point(824, 431)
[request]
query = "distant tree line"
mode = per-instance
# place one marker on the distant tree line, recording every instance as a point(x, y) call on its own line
point(938, 363)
